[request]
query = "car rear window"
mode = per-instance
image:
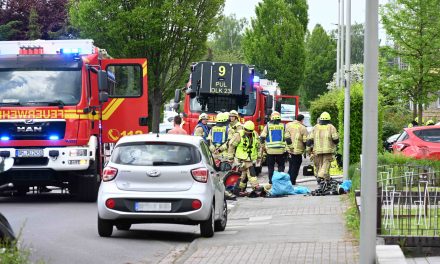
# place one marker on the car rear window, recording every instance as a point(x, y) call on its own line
point(428, 135)
point(155, 154)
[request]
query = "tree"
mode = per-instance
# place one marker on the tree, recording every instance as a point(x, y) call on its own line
point(275, 42)
point(414, 28)
point(34, 31)
point(357, 43)
point(226, 41)
point(170, 34)
point(320, 64)
point(8, 30)
point(300, 9)
point(50, 16)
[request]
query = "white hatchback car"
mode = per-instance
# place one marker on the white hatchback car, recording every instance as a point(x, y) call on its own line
point(155, 178)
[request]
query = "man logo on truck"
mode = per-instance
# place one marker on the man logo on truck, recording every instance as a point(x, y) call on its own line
point(29, 129)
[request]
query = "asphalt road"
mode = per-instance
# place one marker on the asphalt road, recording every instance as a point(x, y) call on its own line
point(57, 229)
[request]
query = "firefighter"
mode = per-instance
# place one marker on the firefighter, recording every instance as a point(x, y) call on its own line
point(321, 144)
point(273, 139)
point(296, 139)
point(244, 147)
point(234, 122)
point(218, 137)
point(202, 129)
point(415, 122)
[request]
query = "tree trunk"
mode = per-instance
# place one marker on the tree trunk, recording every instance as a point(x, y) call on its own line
point(420, 114)
point(414, 109)
point(156, 104)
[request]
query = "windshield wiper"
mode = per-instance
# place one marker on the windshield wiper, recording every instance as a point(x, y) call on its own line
point(159, 163)
point(9, 103)
point(59, 103)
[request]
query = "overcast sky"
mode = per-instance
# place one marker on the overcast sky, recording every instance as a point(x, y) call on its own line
point(324, 12)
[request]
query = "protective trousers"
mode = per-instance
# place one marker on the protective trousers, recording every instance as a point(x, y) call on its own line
point(248, 173)
point(322, 165)
point(280, 159)
point(295, 161)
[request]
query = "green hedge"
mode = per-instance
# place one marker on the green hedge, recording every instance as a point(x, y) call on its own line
point(356, 110)
point(327, 103)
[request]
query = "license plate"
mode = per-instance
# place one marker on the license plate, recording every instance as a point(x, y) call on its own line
point(156, 207)
point(29, 153)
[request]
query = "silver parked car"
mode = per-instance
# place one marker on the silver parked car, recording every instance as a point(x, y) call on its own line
point(161, 179)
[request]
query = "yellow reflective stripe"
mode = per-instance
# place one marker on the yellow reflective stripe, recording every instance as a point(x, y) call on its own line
point(144, 69)
point(112, 109)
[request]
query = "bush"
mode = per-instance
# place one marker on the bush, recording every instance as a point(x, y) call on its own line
point(356, 110)
point(396, 118)
point(327, 103)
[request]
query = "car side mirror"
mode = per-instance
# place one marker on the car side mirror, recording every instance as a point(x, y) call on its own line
point(176, 96)
point(103, 97)
point(102, 81)
point(269, 103)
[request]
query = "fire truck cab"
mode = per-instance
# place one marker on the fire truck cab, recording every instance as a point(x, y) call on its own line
point(63, 106)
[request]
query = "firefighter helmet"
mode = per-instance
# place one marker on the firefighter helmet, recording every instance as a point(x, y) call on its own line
point(325, 116)
point(249, 125)
point(275, 116)
point(203, 116)
point(233, 113)
point(430, 122)
point(221, 118)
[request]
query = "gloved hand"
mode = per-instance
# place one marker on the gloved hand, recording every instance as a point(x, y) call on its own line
point(216, 151)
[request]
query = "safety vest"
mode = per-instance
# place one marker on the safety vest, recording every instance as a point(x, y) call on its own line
point(275, 136)
point(323, 139)
point(205, 130)
point(219, 135)
point(244, 150)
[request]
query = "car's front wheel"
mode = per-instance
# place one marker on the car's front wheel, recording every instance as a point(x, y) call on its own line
point(207, 226)
point(220, 225)
point(105, 227)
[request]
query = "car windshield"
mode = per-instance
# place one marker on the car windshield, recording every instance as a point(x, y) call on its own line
point(224, 104)
point(27, 86)
point(155, 154)
point(428, 135)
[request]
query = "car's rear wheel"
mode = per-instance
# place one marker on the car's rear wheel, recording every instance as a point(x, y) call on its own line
point(105, 227)
point(124, 226)
point(220, 225)
point(207, 226)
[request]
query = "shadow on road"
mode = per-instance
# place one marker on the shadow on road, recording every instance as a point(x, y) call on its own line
point(156, 235)
point(39, 198)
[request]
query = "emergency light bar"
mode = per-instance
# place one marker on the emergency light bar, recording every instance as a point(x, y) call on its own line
point(37, 47)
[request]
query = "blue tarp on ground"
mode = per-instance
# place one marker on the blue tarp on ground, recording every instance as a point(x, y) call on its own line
point(281, 185)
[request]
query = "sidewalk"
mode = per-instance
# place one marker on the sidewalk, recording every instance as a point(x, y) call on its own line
point(293, 229)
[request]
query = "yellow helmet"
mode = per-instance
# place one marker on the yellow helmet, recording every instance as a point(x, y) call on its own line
point(275, 116)
point(203, 116)
point(249, 125)
point(417, 120)
point(430, 122)
point(233, 113)
point(226, 114)
point(324, 116)
point(221, 117)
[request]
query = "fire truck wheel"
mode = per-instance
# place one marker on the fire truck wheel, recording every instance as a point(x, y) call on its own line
point(87, 187)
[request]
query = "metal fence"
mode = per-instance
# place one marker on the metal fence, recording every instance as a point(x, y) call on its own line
point(408, 201)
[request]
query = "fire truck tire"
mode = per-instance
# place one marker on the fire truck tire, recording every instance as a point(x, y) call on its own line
point(87, 187)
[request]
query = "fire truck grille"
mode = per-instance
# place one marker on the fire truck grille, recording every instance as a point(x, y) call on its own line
point(30, 161)
point(33, 130)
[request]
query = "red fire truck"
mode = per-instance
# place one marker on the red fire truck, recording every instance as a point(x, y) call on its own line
point(63, 105)
point(218, 87)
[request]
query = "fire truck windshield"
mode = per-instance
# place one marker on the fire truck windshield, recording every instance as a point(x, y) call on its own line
point(28, 86)
point(223, 104)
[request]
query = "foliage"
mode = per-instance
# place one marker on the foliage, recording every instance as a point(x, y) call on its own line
point(171, 34)
point(413, 26)
point(352, 214)
point(51, 16)
point(300, 9)
point(320, 64)
point(326, 102)
point(9, 29)
point(34, 28)
point(275, 42)
point(396, 118)
point(356, 76)
point(390, 158)
point(357, 43)
point(226, 41)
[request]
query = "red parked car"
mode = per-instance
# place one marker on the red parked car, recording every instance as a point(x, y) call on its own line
point(419, 142)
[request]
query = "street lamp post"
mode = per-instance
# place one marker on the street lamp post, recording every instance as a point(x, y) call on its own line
point(338, 48)
point(369, 136)
point(346, 155)
point(341, 72)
